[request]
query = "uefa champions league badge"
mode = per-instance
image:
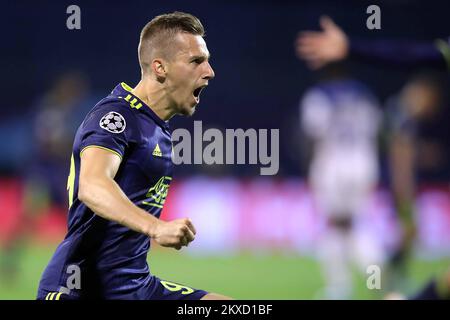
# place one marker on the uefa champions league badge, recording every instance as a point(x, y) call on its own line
point(113, 122)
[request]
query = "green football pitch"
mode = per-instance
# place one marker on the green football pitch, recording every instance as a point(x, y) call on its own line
point(241, 276)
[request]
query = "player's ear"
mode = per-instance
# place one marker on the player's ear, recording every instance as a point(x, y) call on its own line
point(159, 69)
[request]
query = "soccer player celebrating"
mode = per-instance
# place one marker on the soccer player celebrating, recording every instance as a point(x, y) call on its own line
point(121, 169)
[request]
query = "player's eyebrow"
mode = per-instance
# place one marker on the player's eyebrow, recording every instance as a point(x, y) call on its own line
point(200, 57)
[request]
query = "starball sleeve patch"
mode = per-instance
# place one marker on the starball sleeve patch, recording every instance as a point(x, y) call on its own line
point(113, 122)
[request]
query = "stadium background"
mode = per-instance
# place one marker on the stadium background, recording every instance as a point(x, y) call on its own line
point(256, 234)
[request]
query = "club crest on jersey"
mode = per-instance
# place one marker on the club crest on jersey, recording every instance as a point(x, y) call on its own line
point(113, 122)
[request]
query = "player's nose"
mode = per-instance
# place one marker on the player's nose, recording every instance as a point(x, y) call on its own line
point(210, 74)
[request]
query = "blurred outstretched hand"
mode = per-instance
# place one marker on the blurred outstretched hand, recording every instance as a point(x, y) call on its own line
point(319, 48)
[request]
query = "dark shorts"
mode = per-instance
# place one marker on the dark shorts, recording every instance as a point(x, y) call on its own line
point(161, 290)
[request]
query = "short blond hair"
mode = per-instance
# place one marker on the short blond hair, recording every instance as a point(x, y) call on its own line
point(157, 36)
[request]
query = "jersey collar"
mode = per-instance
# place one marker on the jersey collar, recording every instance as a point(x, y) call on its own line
point(123, 91)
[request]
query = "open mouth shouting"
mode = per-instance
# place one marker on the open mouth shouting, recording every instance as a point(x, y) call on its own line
point(197, 92)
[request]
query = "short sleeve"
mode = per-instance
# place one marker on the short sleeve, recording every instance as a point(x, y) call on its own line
point(110, 127)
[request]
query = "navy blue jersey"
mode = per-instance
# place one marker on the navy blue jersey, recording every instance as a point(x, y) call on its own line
point(111, 258)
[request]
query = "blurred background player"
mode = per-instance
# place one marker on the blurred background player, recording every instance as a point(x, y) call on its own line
point(415, 114)
point(418, 153)
point(340, 117)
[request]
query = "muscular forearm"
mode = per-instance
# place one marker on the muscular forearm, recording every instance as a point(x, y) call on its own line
point(104, 197)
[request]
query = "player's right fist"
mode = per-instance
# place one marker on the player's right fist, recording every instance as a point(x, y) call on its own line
point(175, 234)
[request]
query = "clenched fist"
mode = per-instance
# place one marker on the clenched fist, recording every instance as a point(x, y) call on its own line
point(175, 234)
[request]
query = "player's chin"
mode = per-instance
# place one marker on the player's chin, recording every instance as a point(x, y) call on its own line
point(189, 110)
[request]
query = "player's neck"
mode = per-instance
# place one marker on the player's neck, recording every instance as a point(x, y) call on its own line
point(155, 98)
